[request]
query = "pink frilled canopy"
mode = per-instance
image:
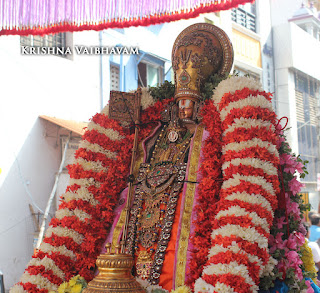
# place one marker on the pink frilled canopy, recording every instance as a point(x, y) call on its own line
point(37, 17)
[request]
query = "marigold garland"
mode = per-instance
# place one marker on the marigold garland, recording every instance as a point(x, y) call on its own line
point(75, 285)
point(307, 259)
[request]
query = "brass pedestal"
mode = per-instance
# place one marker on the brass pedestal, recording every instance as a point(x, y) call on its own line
point(114, 275)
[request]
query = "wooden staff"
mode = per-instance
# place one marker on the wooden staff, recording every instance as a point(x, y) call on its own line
point(126, 107)
point(130, 188)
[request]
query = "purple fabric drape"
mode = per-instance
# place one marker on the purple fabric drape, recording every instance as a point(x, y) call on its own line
point(24, 17)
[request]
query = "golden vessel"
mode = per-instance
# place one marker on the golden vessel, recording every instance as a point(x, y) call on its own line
point(114, 274)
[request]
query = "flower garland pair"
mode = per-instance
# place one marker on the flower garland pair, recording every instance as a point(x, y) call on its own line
point(231, 254)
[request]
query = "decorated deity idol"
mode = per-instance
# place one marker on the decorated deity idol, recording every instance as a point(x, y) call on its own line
point(214, 204)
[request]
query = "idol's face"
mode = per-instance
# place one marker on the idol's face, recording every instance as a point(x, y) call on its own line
point(185, 108)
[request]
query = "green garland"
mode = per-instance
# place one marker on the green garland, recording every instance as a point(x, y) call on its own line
point(167, 89)
point(163, 91)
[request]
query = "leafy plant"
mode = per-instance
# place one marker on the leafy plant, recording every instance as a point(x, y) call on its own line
point(167, 89)
point(163, 91)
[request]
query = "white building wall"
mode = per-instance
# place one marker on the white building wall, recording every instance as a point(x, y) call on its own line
point(305, 52)
point(297, 49)
point(283, 10)
point(264, 28)
point(30, 175)
point(284, 88)
point(294, 49)
point(31, 86)
point(49, 85)
point(296, 52)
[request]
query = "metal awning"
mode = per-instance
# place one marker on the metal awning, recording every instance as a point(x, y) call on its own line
point(74, 126)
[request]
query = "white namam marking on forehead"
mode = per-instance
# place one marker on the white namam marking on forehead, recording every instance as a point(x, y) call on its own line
point(185, 103)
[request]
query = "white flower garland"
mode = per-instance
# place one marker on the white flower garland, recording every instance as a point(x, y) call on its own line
point(246, 96)
point(232, 84)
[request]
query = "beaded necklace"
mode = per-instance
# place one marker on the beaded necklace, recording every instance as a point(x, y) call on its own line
point(158, 186)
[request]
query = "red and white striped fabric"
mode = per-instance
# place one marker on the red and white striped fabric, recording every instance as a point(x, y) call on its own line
point(239, 254)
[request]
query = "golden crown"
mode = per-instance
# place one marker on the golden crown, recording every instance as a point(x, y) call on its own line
point(199, 51)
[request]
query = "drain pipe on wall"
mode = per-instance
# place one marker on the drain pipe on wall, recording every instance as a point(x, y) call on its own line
point(1, 283)
point(101, 72)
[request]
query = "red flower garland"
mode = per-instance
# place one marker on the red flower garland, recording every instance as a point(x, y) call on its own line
point(208, 190)
point(104, 188)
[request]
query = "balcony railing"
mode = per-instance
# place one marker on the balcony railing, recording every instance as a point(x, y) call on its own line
point(244, 18)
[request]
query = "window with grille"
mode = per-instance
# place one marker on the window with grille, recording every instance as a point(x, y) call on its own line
point(114, 78)
point(149, 75)
point(245, 15)
point(307, 123)
point(53, 40)
point(242, 72)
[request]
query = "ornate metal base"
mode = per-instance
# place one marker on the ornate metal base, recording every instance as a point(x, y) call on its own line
point(114, 275)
